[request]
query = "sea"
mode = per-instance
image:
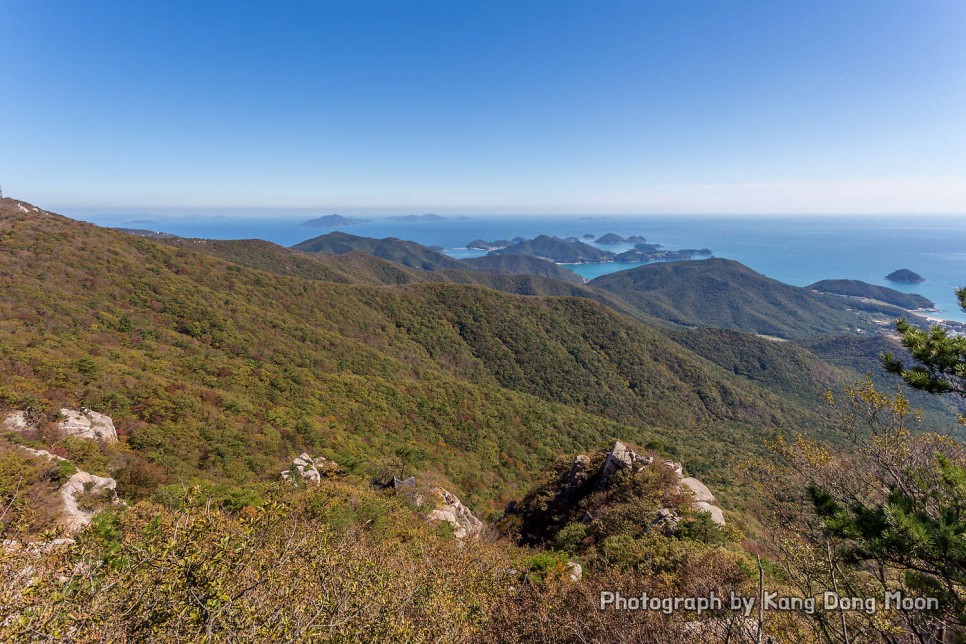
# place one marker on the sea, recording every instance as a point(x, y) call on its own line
point(794, 250)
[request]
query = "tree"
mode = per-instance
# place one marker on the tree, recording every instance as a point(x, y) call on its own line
point(941, 357)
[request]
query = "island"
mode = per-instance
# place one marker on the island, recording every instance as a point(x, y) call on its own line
point(332, 221)
point(558, 250)
point(427, 217)
point(482, 244)
point(610, 238)
point(654, 253)
point(589, 236)
point(905, 276)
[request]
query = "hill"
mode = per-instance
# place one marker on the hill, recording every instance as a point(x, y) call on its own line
point(402, 252)
point(522, 265)
point(856, 288)
point(557, 250)
point(723, 293)
point(217, 371)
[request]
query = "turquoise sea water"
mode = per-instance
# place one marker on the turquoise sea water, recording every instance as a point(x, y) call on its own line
point(795, 250)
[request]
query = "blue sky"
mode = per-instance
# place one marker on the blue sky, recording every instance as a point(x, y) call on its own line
point(487, 106)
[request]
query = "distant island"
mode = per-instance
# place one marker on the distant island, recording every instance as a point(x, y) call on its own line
point(427, 217)
point(482, 244)
point(654, 253)
point(858, 289)
point(612, 238)
point(332, 221)
point(558, 250)
point(905, 276)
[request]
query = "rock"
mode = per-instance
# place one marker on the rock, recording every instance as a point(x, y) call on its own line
point(677, 467)
point(73, 517)
point(578, 471)
point(620, 457)
point(451, 510)
point(16, 422)
point(310, 469)
point(701, 491)
point(716, 514)
point(576, 571)
point(666, 521)
point(88, 424)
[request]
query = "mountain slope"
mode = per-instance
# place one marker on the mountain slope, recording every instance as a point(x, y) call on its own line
point(213, 370)
point(723, 293)
point(402, 252)
point(522, 265)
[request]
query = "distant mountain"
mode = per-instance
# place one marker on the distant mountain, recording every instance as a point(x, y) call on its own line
point(905, 276)
point(403, 252)
point(855, 288)
point(522, 265)
point(332, 221)
point(610, 238)
point(723, 293)
point(558, 250)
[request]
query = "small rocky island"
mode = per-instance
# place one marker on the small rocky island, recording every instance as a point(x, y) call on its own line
point(905, 276)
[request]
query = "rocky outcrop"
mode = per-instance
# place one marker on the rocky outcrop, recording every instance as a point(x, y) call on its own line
point(666, 522)
point(310, 470)
point(82, 423)
point(620, 457)
point(75, 493)
point(82, 496)
point(450, 509)
point(88, 424)
point(446, 506)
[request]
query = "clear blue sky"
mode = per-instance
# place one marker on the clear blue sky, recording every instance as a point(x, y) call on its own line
point(487, 106)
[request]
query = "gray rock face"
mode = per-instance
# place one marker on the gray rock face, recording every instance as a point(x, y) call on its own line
point(310, 469)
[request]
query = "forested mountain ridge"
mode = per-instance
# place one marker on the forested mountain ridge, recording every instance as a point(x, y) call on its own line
point(725, 294)
point(215, 370)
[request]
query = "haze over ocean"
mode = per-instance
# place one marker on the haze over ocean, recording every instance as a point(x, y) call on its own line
point(795, 250)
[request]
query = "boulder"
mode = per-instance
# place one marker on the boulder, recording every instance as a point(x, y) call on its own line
point(310, 470)
point(88, 424)
point(701, 491)
point(716, 514)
